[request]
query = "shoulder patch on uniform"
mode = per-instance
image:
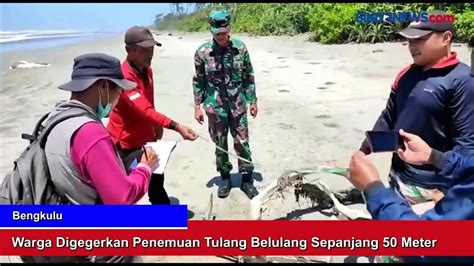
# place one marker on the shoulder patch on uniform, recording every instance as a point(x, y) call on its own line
point(206, 45)
point(237, 43)
point(400, 75)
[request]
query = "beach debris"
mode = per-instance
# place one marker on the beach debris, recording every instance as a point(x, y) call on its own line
point(285, 91)
point(27, 65)
point(314, 190)
point(304, 187)
point(329, 83)
point(308, 73)
point(322, 88)
point(377, 51)
point(170, 34)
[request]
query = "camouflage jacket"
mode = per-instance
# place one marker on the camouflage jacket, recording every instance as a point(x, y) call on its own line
point(224, 77)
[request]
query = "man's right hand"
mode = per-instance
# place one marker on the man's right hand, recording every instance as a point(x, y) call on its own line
point(186, 132)
point(362, 171)
point(150, 158)
point(416, 150)
point(198, 115)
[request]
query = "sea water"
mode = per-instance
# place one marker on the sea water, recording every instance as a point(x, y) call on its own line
point(33, 39)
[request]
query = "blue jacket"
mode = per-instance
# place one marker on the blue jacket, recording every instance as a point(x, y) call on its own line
point(457, 204)
point(438, 106)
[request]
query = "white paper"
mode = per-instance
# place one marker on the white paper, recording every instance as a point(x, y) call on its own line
point(163, 149)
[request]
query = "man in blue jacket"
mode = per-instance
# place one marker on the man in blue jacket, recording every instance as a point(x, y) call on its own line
point(385, 204)
point(432, 98)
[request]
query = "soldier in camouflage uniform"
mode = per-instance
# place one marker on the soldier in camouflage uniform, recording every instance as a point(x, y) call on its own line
point(224, 84)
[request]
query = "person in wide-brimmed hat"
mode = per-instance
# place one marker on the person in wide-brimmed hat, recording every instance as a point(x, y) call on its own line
point(81, 147)
point(81, 157)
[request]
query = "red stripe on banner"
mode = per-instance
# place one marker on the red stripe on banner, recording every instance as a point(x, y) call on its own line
point(362, 238)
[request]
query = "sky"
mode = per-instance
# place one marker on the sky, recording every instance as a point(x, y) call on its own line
point(78, 16)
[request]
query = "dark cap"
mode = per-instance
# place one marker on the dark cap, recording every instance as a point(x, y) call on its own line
point(219, 21)
point(140, 36)
point(418, 29)
point(89, 68)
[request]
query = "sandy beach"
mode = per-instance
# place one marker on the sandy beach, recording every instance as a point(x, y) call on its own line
point(315, 103)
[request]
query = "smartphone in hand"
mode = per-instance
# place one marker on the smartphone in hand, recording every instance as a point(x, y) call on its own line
point(384, 141)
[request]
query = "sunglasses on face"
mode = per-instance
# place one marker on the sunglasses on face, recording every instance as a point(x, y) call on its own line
point(220, 23)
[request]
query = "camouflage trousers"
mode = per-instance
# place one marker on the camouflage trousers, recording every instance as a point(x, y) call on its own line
point(219, 125)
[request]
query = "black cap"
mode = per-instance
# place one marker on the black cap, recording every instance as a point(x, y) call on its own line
point(140, 36)
point(89, 68)
point(418, 29)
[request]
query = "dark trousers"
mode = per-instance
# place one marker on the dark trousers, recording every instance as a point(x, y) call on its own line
point(156, 191)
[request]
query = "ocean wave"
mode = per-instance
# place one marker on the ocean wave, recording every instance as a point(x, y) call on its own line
point(16, 36)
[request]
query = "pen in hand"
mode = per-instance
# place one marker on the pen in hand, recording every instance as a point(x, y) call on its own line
point(144, 152)
point(150, 158)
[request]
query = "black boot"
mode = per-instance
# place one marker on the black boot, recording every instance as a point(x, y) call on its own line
point(247, 186)
point(224, 187)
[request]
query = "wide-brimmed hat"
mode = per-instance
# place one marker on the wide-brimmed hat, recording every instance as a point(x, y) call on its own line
point(89, 68)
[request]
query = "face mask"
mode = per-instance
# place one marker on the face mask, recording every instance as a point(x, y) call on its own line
point(102, 111)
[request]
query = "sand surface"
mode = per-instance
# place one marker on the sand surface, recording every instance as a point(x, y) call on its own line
point(315, 102)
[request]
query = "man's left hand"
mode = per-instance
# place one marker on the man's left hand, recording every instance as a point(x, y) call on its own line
point(253, 110)
point(417, 151)
point(362, 171)
point(437, 196)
